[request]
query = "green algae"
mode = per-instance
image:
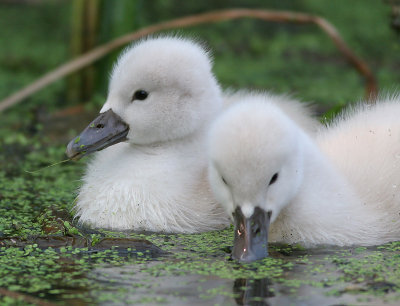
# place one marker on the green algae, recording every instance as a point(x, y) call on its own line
point(37, 210)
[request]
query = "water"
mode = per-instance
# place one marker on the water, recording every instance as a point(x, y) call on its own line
point(315, 277)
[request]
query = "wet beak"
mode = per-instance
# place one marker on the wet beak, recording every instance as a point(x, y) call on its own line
point(251, 235)
point(107, 129)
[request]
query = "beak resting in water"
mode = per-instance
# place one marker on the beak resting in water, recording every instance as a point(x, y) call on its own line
point(107, 129)
point(251, 235)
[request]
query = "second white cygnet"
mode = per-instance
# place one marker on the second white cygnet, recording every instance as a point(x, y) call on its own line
point(339, 187)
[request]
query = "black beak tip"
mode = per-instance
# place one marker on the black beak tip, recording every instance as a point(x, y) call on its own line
point(73, 150)
point(70, 152)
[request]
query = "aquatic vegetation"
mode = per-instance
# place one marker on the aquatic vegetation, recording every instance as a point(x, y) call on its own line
point(45, 254)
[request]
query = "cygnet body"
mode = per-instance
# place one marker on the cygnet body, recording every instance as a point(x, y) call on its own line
point(162, 98)
point(281, 185)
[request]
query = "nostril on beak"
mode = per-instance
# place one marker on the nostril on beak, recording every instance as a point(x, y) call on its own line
point(100, 126)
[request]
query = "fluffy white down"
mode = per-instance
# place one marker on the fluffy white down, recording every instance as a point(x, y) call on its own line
point(156, 181)
point(341, 189)
point(300, 112)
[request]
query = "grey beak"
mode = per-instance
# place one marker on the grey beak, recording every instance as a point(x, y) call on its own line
point(107, 129)
point(251, 235)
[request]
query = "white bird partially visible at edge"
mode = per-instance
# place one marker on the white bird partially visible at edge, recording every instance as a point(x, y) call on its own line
point(154, 124)
point(338, 187)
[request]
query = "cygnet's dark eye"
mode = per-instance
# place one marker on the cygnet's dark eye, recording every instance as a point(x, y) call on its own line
point(273, 178)
point(223, 179)
point(140, 95)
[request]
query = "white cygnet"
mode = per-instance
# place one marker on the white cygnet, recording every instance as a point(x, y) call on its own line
point(162, 98)
point(282, 184)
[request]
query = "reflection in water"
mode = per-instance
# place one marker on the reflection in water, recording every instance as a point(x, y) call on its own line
point(252, 291)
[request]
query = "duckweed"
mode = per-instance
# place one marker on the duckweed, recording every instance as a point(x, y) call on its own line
point(45, 254)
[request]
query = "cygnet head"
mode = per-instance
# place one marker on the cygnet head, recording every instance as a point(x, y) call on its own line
point(160, 89)
point(255, 169)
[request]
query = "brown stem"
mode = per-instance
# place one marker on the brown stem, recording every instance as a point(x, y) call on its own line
point(24, 297)
point(210, 17)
